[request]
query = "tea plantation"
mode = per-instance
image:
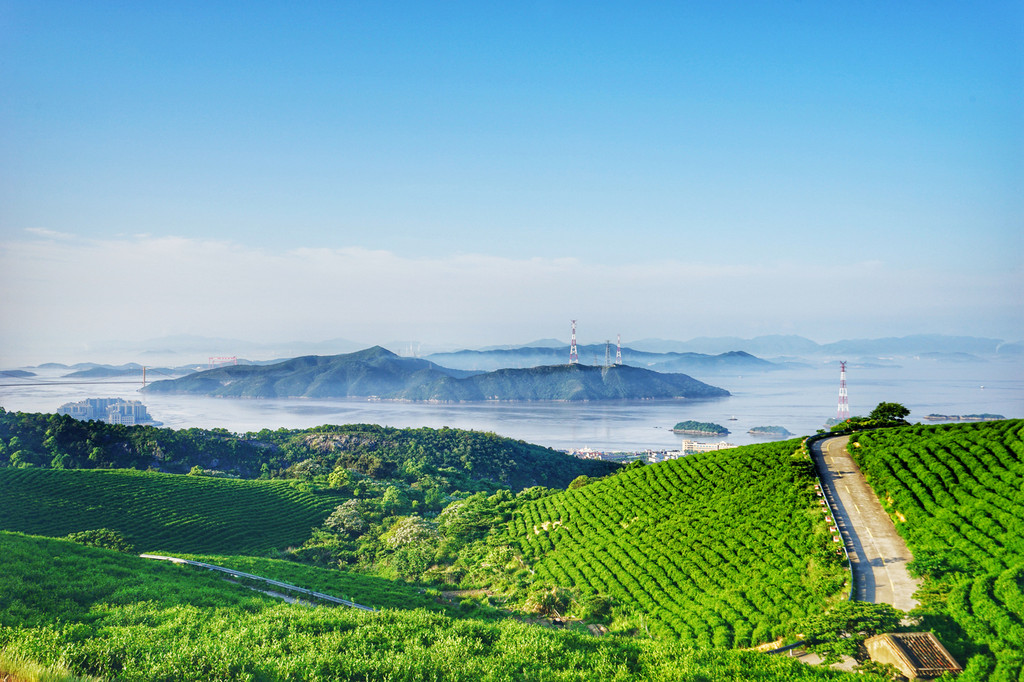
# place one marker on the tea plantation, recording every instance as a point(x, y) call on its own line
point(956, 493)
point(162, 512)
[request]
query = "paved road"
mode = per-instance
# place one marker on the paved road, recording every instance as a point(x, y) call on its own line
point(878, 555)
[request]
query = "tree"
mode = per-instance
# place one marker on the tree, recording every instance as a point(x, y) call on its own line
point(348, 519)
point(889, 412)
point(840, 631)
point(579, 482)
point(105, 538)
point(394, 501)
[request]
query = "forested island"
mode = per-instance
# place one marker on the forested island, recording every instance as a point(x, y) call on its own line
point(380, 374)
point(696, 428)
point(770, 431)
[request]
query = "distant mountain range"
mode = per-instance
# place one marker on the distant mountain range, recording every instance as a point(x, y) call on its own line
point(533, 356)
point(377, 372)
point(797, 346)
point(703, 356)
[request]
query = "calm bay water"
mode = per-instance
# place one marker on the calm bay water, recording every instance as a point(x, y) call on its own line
point(798, 399)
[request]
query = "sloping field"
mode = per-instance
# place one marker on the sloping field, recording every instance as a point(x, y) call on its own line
point(162, 512)
point(956, 493)
point(119, 617)
point(379, 593)
point(960, 488)
point(722, 549)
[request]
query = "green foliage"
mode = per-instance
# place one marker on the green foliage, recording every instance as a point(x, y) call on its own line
point(718, 549)
point(889, 412)
point(843, 628)
point(770, 431)
point(956, 493)
point(708, 428)
point(162, 512)
point(119, 617)
point(21, 670)
point(325, 456)
point(348, 519)
point(363, 589)
point(578, 482)
point(105, 538)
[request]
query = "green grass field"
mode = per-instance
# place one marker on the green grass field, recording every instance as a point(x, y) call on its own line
point(119, 617)
point(362, 589)
point(162, 512)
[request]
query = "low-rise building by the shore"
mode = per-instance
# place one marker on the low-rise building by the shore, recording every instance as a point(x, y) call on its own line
point(110, 410)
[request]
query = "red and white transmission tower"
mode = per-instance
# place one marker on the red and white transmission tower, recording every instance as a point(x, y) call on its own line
point(843, 412)
point(618, 349)
point(574, 357)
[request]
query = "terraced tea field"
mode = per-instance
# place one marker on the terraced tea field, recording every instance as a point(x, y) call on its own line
point(162, 512)
point(956, 494)
point(722, 549)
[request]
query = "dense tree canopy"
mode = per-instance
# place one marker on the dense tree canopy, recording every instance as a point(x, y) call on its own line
point(889, 412)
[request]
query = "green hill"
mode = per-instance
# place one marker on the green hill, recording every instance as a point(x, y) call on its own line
point(956, 494)
point(451, 458)
point(162, 512)
point(100, 613)
point(379, 373)
point(724, 549)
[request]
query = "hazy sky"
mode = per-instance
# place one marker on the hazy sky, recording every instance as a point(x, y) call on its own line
point(480, 173)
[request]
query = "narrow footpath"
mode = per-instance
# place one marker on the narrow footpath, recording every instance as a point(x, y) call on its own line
point(878, 555)
point(276, 583)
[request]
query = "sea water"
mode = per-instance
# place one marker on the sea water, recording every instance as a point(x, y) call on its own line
point(799, 399)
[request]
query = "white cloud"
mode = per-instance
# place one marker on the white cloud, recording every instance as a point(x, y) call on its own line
point(49, 234)
point(68, 292)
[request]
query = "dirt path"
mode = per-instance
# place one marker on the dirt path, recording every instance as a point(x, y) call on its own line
point(276, 583)
point(878, 555)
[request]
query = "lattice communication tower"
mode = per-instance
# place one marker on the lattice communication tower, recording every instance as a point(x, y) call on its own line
point(618, 349)
point(574, 357)
point(843, 411)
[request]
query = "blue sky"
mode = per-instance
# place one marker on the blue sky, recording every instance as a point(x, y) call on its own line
point(475, 173)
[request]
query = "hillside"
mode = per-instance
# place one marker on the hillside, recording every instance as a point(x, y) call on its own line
point(120, 617)
point(956, 494)
point(452, 458)
point(378, 373)
point(723, 549)
point(371, 372)
point(162, 512)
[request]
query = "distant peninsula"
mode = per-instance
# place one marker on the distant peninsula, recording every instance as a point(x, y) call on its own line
point(694, 428)
point(377, 373)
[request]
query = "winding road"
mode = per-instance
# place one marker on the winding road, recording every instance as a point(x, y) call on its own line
point(878, 555)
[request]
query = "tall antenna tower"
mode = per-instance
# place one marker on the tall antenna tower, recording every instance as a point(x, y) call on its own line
point(217, 362)
point(618, 349)
point(574, 357)
point(843, 412)
point(607, 353)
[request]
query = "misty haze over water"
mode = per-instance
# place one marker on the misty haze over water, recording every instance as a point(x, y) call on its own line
point(798, 399)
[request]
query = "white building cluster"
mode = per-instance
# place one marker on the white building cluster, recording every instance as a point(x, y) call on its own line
point(110, 410)
point(690, 447)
